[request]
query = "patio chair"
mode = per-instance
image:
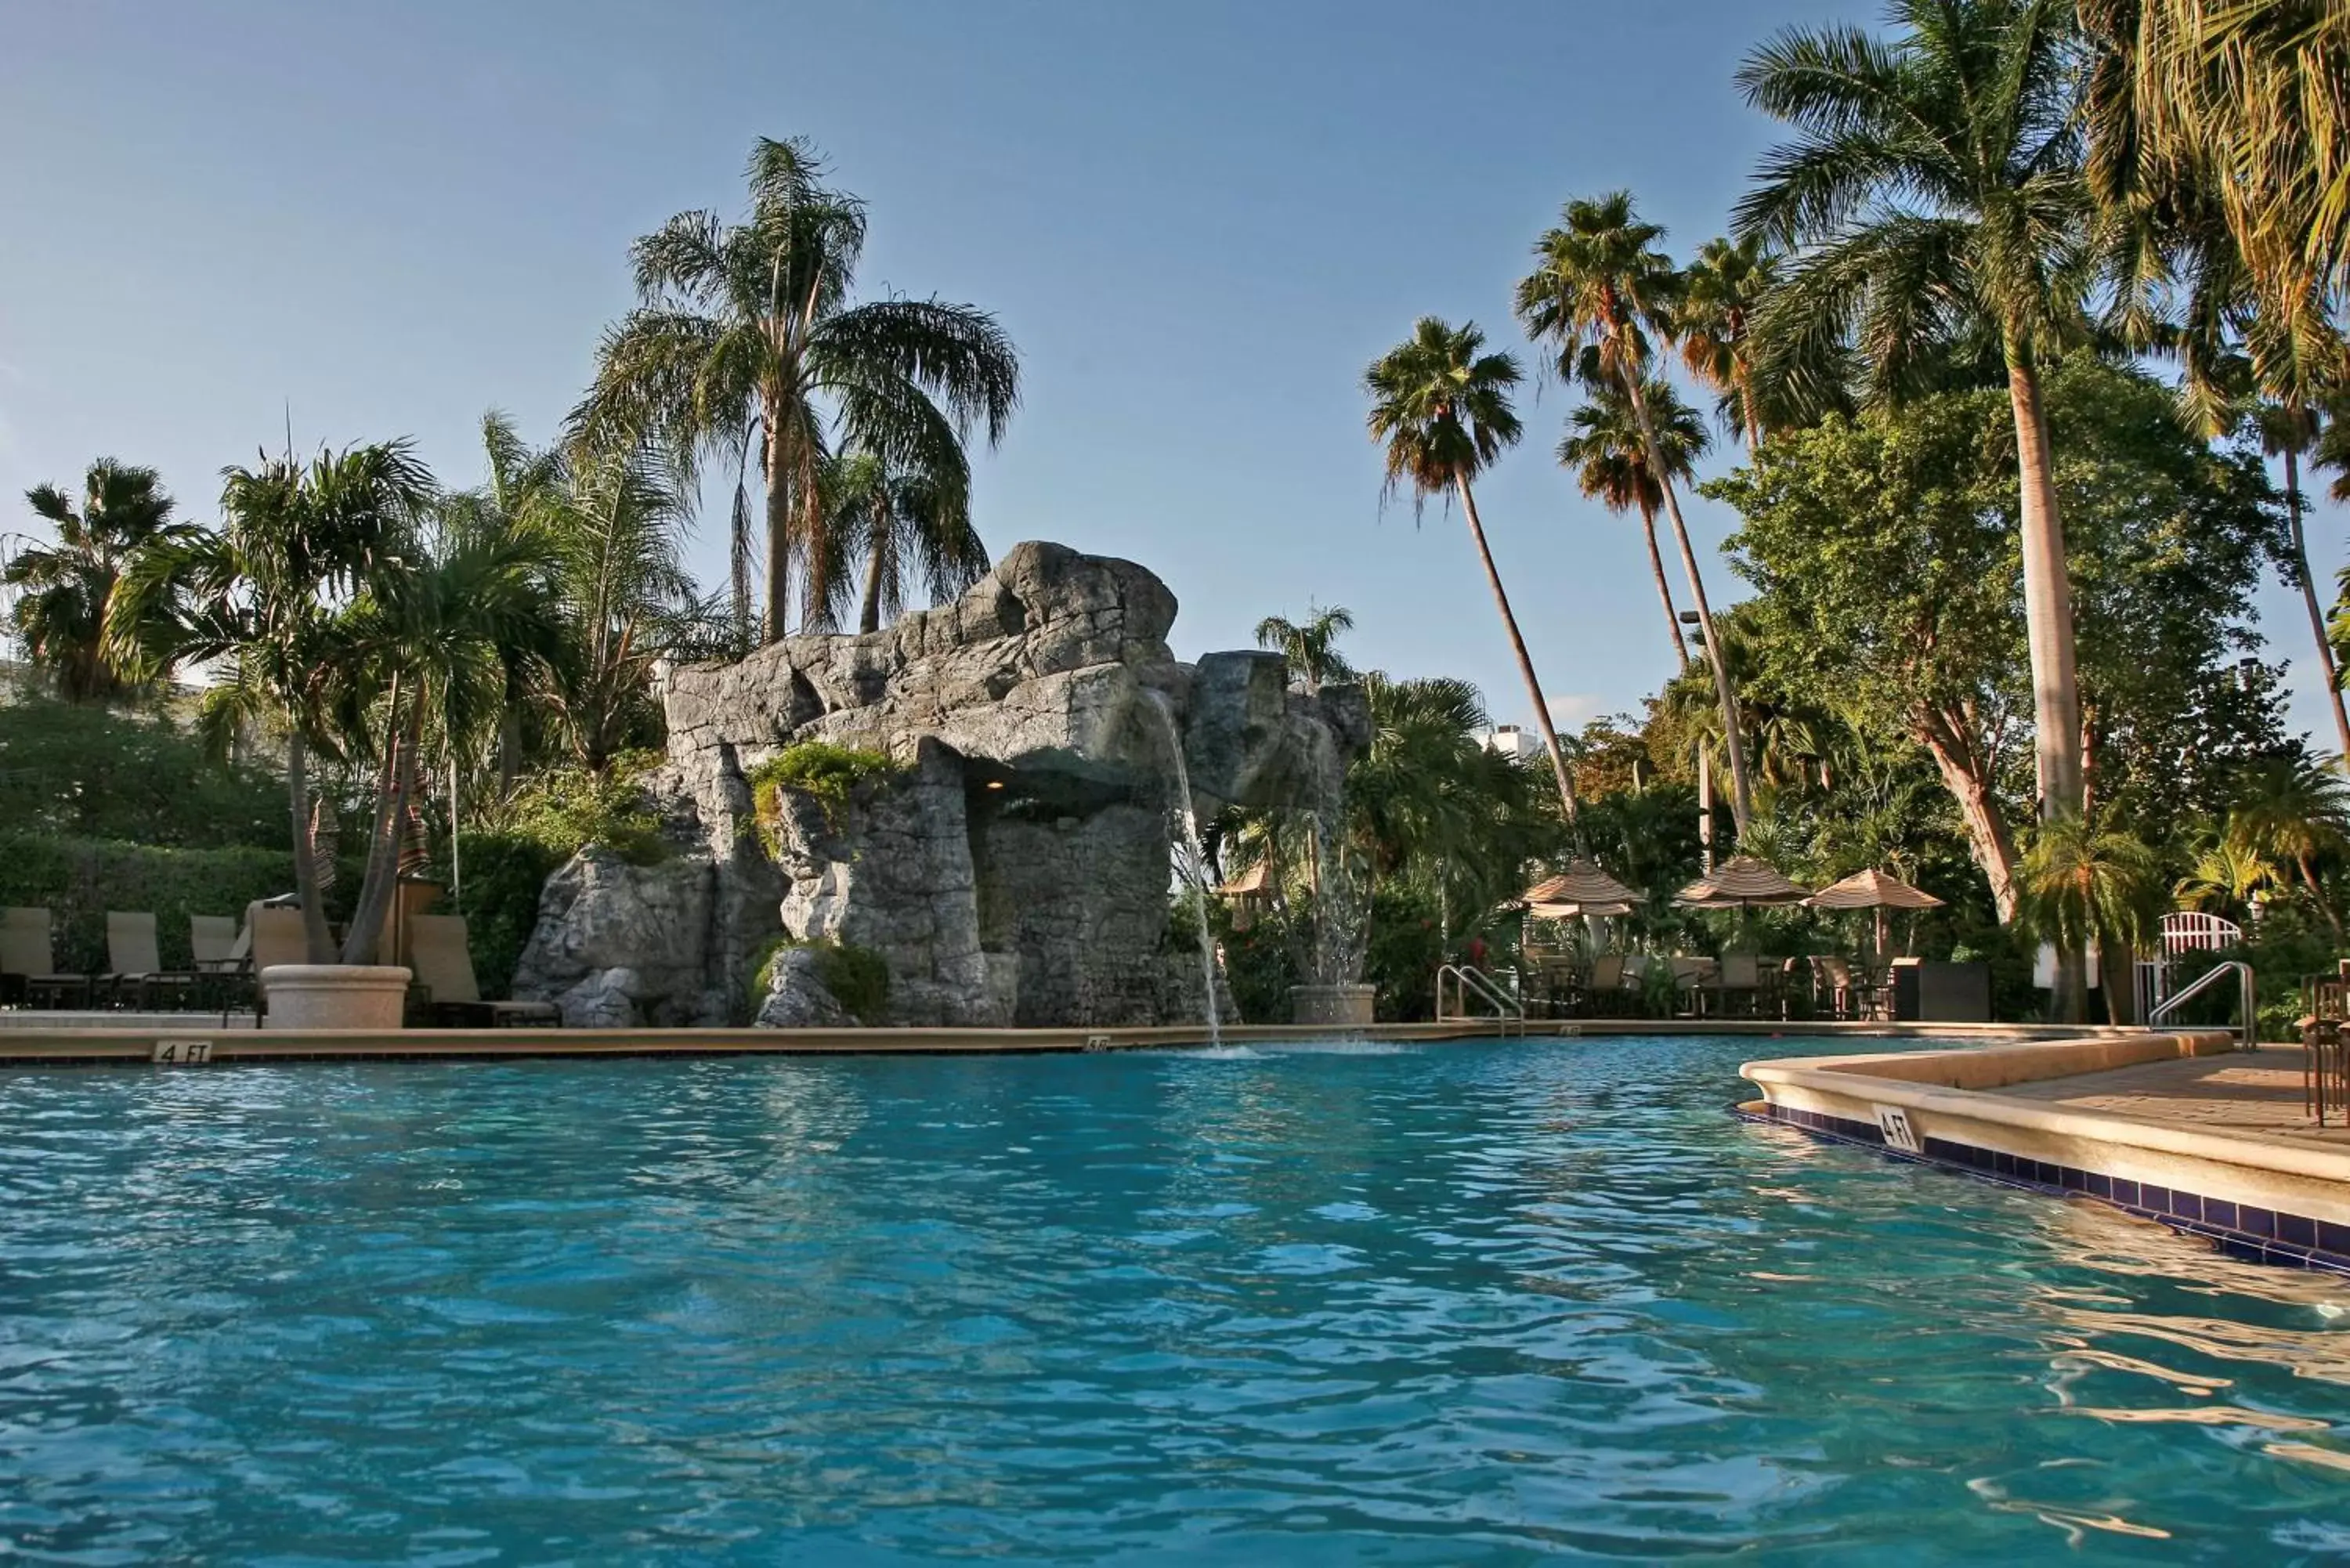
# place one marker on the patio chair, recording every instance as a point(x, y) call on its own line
point(1739, 983)
point(1606, 982)
point(27, 954)
point(135, 963)
point(443, 965)
point(2325, 1055)
point(212, 940)
point(1691, 976)
point(274, 936)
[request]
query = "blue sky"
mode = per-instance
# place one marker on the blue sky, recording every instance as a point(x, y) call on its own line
point(1198, 222)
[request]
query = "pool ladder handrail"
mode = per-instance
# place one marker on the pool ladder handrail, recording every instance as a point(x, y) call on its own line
point(2245, 993)
point(1468, 980)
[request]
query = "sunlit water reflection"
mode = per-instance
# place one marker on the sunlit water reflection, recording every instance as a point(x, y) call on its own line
point(1456, 1304)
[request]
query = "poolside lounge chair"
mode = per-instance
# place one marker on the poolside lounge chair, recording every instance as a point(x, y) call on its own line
point(212, 939)
point(1739, 983)
point(135, 963)
point(27, 954)
point(443, 964)
point(1606, 982)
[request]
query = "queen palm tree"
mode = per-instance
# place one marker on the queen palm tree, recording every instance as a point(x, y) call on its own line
point(65, 589)
point(2082, 883)
point(1609, 456)
point(910, 525)
point(1599, 290)
point(1311, 650)
point(1721, 293)
point(744, 340)
point(1441, 409)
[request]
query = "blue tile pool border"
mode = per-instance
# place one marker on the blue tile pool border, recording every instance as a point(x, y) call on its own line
point(2243, 1230)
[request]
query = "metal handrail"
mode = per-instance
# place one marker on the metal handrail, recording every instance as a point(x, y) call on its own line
point(1467, 978)
point(2245, 992)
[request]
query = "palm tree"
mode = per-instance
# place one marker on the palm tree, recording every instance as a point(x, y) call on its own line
point(1722, 292)
point(2225, 875)
point(1610, 454)
point(2294, 810)
point(1938, 188)
point(65, 589)
point(1441, 409)
point(908, 524)
point(1599, 290)
point(744, 338)
point(2083, 883)
point(263, 596)
point(1311, 650)
point(2249, 101)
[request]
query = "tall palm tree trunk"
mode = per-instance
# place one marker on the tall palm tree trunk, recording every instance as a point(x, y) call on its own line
point(1741, 791)
point(1525, 661)
point(779, 533)
point(869, 617)
point(316, 937)
point(2048, 629)
point(1664, 589)
point(360, 943)
point(2309, 602)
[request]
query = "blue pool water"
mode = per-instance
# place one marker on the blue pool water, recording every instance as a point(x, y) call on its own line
point(1470, 1303)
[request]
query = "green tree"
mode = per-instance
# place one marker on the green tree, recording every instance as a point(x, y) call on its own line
point(908, 524)
point(2083, 884)
point(1721, 293)
point(1440, 407)
point(1310, 647)
point(1608, 451)
point(1600, 289)
point(2295, 812)
point(263, 600)
point(1937, 193)
point(66, 590)
point(746, 340)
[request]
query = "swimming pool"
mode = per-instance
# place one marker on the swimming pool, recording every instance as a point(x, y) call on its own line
point(1461, 1303)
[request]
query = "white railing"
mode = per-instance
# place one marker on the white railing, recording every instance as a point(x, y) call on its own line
point(1468, 981)
point(2245, 994)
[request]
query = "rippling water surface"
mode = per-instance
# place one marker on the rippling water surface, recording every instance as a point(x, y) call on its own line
point(1486, 1303)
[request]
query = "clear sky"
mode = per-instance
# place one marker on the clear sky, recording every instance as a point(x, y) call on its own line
point(1199, 222)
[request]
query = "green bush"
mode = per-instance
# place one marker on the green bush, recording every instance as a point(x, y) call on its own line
point(565, 810)
point(504, 874)
point(830, 774)
point(98, 772)
point(1407, 945)
point(858, 978)
point(78, 880)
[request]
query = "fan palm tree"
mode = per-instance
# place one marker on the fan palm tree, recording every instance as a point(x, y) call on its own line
point(2294, 811)
point(1440, 407)
point(909, 526)
point(1311, 650)
point(1599, 290)
point(746, 340)
point(1938, 188)
point(1608, 454)
point(65, 590)
point(1720, 294)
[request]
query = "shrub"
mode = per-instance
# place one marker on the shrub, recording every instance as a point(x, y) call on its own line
point(97, 772)
point(504, 874)
point(857, 977)
point(830, 774)
point(565, 810)
point(78, 880)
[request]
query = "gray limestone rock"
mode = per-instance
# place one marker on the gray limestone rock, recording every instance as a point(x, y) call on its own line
point(1016, 868)
point(797, 997)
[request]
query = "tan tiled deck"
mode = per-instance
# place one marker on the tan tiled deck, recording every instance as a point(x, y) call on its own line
point(2241, 1092)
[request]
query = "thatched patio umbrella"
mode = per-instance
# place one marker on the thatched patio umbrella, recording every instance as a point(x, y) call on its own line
point(1738, 883)
point(1583, 888)
point(1251, 892)
point(1873, 890)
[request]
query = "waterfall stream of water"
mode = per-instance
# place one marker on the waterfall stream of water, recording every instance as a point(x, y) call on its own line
point(1191, 863)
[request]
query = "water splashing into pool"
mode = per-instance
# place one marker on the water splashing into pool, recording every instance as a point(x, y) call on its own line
point(1191, 859)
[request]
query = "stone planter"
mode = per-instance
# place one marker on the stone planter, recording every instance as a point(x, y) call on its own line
point(1344, 1006)
point(334, 996)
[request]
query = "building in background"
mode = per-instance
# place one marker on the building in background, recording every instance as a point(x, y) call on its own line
point(1515, 742)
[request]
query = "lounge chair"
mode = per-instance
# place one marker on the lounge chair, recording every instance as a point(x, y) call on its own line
point(273, 936)
point(28, 955)
point(135, 963)
point(443, 965)
point(1740, 982)
point(212, 939)
point(1606, 982)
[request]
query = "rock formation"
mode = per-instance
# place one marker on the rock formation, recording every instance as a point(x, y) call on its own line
point(1015, 870)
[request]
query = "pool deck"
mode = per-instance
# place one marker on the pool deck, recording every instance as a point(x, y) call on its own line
point(32, 1038)
point(2180, 1128)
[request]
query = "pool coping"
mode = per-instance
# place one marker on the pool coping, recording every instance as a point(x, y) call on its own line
point(2261, 1197)
point(25, 1044)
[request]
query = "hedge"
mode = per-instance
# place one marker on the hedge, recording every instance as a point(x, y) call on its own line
point(78, 880)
